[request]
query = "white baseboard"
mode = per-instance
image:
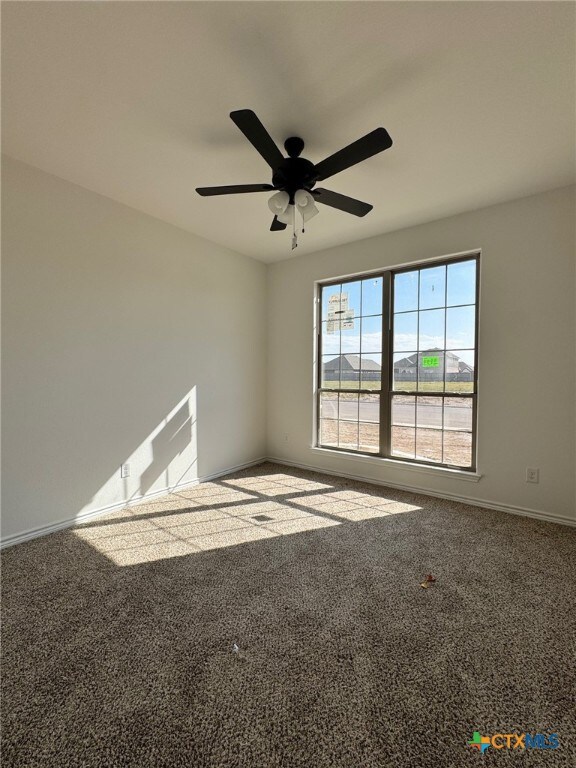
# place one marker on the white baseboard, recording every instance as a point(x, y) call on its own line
point(68, 523)
point(34, 533)
point(514, 510)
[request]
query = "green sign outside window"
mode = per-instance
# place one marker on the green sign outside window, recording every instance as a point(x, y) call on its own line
point(430, 362)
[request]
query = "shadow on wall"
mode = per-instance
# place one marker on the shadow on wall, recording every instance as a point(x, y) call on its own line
point(166, 458)
point(168, 444)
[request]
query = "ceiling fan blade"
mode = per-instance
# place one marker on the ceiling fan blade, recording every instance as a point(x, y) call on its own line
point(374, 142)
point(342, 202)
point(276, 225)
point(234, 189)
point(258, 136)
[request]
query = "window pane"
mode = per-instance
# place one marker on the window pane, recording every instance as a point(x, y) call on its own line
point(432, 287)
point(429, 412)
point(429, 445)
point(458, 449)
point(369, 437)
point(404, 442)
point(458, 414)
point(431, 330)
point(348, 435)
point(431, 371)
point(330, 371)
point(353, 291)
point(330, 299)
point(340, 305)
point(404, 411)
point(372, 296)
point(370, 371)
point(350, 338)
point(406, 291)
point(460, 322)
point(369, 408)
point(329, 432)
point(459, 374)
point(330, 339)
point(350, 371)
point(348, 407)
point(404, 371)
point(351, 382)
point(329, 405)
point(405, 331)
point(371, 337)
point(462, 283)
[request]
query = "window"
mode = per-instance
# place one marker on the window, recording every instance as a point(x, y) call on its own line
point(397, 367)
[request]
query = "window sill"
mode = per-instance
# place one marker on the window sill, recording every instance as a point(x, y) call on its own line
point(426, 469)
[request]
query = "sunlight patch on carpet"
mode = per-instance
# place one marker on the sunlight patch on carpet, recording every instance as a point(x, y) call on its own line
point(231, 511)
point(188, 532)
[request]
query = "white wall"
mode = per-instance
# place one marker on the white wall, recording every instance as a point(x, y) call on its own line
point(124, 339)
point(526, 362)
point(127, 339)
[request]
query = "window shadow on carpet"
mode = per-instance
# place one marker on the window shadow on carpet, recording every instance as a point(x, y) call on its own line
point(237, 509)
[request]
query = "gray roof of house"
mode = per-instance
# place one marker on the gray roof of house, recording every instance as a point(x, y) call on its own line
point(352, 363)
point(412, 360)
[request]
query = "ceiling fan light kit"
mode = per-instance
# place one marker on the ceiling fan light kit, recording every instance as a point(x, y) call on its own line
point(284, 209)
point(294, 177)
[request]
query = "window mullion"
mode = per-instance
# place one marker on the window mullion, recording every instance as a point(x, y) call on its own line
point(385, 387)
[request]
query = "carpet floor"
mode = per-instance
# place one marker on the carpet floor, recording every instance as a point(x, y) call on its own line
point(118, 635)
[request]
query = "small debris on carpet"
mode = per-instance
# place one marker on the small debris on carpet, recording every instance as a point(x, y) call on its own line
point(428, 581)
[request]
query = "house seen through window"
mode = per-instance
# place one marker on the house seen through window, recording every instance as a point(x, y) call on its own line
point(397, 371)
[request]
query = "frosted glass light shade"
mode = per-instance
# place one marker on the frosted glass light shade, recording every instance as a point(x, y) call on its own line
point(305, 204)
point(287, 216)
point(278, 203)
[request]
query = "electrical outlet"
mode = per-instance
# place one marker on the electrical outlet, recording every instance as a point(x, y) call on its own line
point(532, 475)
point(125, 470)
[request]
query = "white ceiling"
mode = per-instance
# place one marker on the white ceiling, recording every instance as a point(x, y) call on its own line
point(132, 99)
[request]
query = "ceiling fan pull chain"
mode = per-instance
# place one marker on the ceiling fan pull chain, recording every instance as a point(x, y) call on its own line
point(294, 235)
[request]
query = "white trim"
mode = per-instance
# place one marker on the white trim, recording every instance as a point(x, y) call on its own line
point(427, 469)
point(499, 507)
point(34, 533)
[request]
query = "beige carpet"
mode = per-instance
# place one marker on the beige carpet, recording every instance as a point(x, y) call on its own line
point(118, 635)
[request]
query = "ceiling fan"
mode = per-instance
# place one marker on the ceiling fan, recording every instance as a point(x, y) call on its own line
point(295, 177)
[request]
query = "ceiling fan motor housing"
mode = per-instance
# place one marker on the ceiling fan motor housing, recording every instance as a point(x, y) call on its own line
point(294, 173)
